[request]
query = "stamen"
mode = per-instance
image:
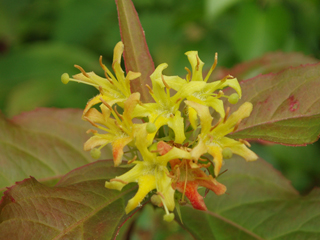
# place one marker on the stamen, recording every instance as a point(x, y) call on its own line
point(101, 64)
point(220, 94)
point(91, 131)
point(186, 144)
point(161, 195)
point(118, 180)
point(178, 100)
point(216, 125)
point(101, 90)
point(106, 104)
point(185, 184)
point(222, 172)
point(236, 126)
point(132, 160)
point(82, 70)
point(226, 77)
point(227, 114)
point(204, 165)
point(164, 82)
point(119, 126)
point(171, 115)
point(108, 78)
point(245, 142)
point(188, 77)
point(91, 121)
point(120, 116)
point(155, 151)
point(150, 89)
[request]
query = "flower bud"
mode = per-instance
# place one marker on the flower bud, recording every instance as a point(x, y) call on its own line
point(156, 200)
point(65, 78)
point(233, 98)
point(95, 153)
point(151, 127)
point(168, 217)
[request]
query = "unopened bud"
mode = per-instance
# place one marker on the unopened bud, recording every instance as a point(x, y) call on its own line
point(156, 200)
point(151, 127)
point(65, 78)
point(168, 217)
point(95, 153)
point(233, 98)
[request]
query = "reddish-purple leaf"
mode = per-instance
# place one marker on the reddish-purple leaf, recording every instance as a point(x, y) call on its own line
point(286, 106)
point(78, 207)
point(45, 143)
point(271, 62)
point(260, 205)
point(136, 53)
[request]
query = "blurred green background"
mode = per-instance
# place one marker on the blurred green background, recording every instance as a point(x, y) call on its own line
point(41, 39)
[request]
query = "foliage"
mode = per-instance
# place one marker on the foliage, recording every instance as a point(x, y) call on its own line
point(66, 199)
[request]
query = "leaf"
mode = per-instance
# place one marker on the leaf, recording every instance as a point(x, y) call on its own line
point(260, 30)
point(136, 53)
point(40, 68)
point(45, 143)
point(78, 207)
point(77, 15)
point(260, 204)
point(270, 62)
point(286, 106)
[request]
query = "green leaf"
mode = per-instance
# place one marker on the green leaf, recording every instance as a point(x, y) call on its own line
point(37, 83)
point(45, 143)
point(85, 20)
point(136, 53)
point(78, 207)
point(286, 106)
point(260, 204)
point(260, 30)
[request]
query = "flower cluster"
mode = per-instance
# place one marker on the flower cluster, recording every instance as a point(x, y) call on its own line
point(155, 133)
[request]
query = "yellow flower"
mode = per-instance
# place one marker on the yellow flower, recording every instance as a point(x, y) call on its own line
point(120, 131)
point(205, 94)
point(113, 89)
point(165, 110)
point(212, 139)
point(151, 173)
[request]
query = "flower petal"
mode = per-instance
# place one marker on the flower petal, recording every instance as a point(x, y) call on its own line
point(196, 65)
point(239, 149)
point(146, 184)
point(216, 153)
point(117, 149)
point(177, 125)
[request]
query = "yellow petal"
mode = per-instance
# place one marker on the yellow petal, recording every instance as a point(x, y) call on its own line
point(216, 104)
point(172, 154)
point(239, 149)
point(91, 102)
point(95, 141)
point(196, 65)
point(177, 125)
point(146, 184)
point(204, 115)
point(117, 149)
point(225, 128)
point(216, 153)
point(164, 187)
point(198, 150)
point(193, 117)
